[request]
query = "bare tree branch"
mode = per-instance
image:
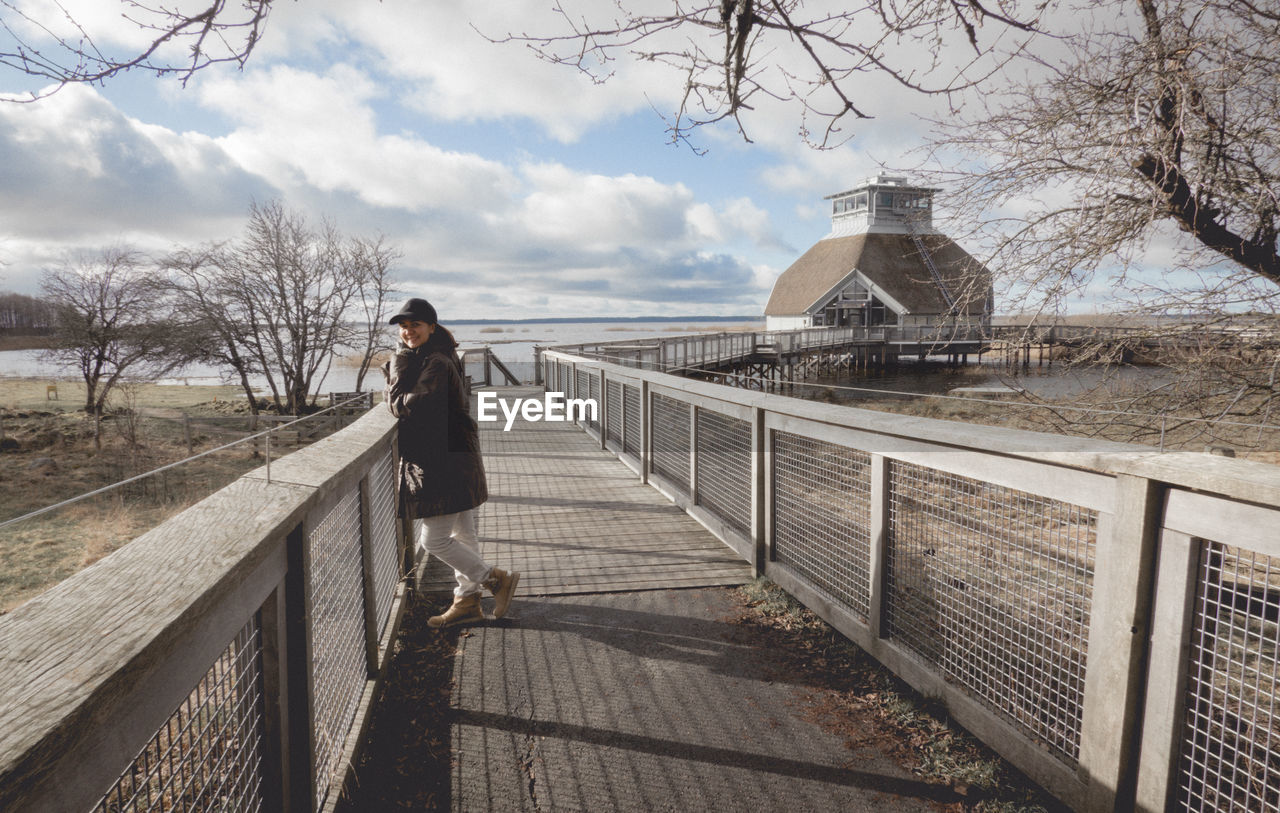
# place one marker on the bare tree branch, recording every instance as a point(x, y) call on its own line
point(760, 39)
point(111, 321)
point(183, 42)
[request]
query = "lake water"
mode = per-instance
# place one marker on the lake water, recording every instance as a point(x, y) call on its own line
point(514, 344)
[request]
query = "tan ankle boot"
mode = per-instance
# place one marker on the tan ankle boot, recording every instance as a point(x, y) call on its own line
point(503, 586)
point(463, 611)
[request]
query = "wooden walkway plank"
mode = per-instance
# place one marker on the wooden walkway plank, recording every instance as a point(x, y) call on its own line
point(573, 519)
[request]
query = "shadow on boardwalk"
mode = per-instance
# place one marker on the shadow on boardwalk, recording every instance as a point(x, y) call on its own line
point(658, 700)
point(605, 689)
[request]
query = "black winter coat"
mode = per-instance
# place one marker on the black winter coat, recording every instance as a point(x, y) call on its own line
point(441, 471)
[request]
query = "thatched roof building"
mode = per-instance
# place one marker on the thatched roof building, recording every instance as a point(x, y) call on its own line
point(882, 264)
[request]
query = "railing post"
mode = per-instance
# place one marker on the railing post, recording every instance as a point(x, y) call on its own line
point(366, 567)
point(646, 432)
point(299, 758)
point(761, 470)
point(1173, 614)
point(878, 546)
point(693, 454)
point(603, 414)
point(277, 770)
point(1120, 623)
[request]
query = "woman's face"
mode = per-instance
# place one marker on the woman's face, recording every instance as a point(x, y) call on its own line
point(414, 333)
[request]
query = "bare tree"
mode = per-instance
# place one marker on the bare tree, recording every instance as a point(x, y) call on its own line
point(732, 54)
point(110, 322)
point(1144, 160)
point(49, 43)
point(210, 314)
point(370, 261)
point(1169, 117)
point(282, 301)
point(292, 291)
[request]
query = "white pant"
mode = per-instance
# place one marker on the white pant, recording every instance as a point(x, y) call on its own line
point(451, 538)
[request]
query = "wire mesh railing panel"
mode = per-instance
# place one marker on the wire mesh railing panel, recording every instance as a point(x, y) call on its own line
point(383, 543)
point(631, 420)
point(614, 411)
point(822, 516)
point(565, 379)
point(337, 637)
point(724, 468)
point(994, 587)
point(593, 389)
point(581, 389)
point(1230, 749)
point(670, 453)
point(208, 755)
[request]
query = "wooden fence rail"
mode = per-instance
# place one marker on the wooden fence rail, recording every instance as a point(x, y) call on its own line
point(1102, 615)
point(224, 659)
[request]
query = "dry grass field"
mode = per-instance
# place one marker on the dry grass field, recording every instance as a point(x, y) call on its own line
point(18, 394)
point(48, 455)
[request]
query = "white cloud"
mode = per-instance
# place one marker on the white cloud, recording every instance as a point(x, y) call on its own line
point(444, 64)
point(594, 211)
point(74, 164)
point(79, 174)
point(300, 129)
point(485, 236)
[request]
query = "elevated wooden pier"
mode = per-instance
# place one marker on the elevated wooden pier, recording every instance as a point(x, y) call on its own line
point(771, 360)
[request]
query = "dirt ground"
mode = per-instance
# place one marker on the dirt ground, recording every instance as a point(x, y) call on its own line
point(68, 396)
point(48, 454)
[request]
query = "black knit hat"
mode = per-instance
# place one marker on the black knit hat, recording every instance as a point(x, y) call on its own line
point(419, 310)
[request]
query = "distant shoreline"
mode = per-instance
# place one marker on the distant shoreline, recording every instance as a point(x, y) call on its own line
point(24, 341)
point(560, 320)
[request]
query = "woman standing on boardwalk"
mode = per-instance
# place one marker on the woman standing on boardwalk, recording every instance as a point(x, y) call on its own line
point(441, 473)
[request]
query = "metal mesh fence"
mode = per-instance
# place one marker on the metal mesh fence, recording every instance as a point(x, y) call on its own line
point(581, 389)
point(822, 495)
point(994, 586)
point(382, 538)
point(1230, 758)
point(593, 388)
point(208, 754)
point(631, 420)
point(724, 468)
point(613, 417)
point(671, 440)
point(565, 380)
point(337, 608)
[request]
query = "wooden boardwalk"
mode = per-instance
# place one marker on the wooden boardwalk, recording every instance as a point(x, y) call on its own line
point(604, 689)
point(572, 519)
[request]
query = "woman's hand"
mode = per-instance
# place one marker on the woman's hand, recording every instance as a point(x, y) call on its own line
point(405, 368)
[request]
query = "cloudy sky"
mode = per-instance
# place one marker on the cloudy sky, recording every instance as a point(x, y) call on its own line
point(513, 188)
